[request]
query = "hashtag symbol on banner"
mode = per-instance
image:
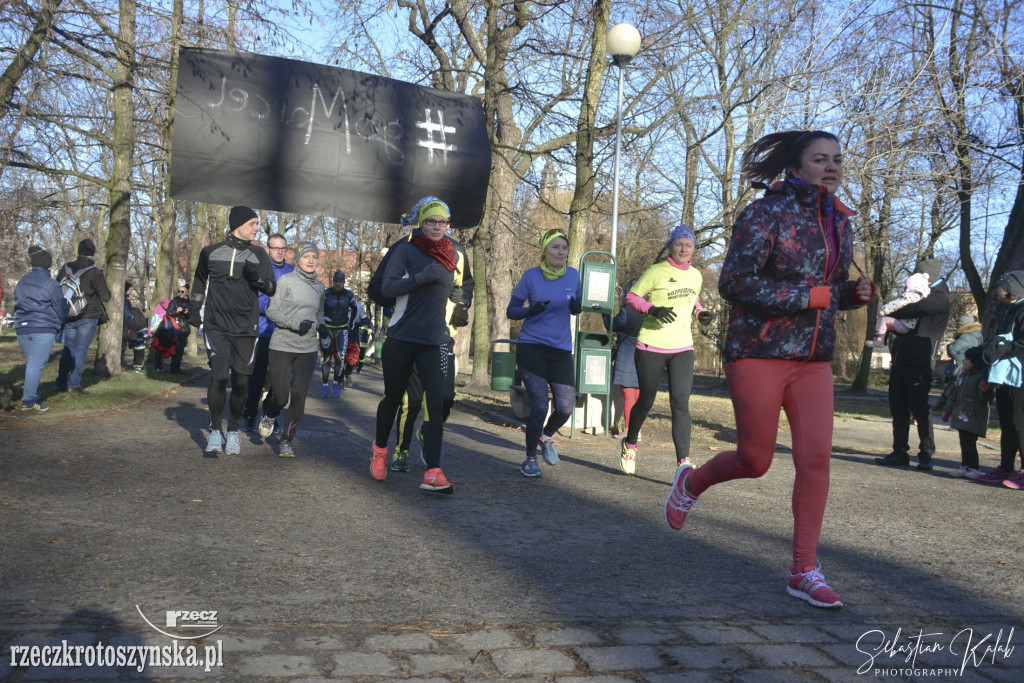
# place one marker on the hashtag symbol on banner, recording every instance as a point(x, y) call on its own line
point(436, 135)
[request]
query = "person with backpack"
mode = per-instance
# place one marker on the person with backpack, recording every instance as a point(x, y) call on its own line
point(229, 276)
point(419, 275)
point(86, 290)
point(40, 310)
point(457, 315)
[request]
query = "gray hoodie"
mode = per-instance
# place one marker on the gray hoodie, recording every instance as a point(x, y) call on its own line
point(299, 296)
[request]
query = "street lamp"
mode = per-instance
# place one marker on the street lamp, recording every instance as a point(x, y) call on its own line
point(623, 43)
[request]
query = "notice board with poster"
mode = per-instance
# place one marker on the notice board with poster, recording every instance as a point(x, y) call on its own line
point(287, 135)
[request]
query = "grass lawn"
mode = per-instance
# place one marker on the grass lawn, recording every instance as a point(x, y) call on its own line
point(127, 388)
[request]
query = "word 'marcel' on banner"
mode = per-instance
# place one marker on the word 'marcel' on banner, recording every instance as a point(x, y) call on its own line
point(292, 136)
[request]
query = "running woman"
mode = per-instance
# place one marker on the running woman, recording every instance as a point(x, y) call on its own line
point(420, 275)
point(667, 293)
point(296, 310)
point(786, 276)
point(545, 298)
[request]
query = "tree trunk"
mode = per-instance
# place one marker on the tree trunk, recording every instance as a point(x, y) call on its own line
point(167, 266)
point(119, 234)
point(583, 194)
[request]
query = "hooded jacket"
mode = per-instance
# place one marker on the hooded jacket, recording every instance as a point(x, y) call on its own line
point(39, 303)
point(778, 252)
point(966, 337)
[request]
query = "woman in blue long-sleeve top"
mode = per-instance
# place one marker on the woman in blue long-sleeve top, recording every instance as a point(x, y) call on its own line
point(544, 349)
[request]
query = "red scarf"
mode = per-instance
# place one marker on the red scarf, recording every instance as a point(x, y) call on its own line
point(441, 250)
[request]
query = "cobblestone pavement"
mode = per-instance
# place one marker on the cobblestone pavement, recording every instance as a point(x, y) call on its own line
point(316, 572)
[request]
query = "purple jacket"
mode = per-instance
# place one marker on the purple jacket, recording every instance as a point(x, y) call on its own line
point(778, 251)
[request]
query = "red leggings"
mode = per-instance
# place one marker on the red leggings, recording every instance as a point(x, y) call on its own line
point(629, 398)
point(760, 389)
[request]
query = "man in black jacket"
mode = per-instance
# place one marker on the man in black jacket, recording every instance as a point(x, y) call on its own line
point(228, 277)
point(80, 330)
point(913, 360)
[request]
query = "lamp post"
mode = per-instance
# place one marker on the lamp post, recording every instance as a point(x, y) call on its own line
point(623, 43)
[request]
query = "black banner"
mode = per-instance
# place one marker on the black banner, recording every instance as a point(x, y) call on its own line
point(292, 136)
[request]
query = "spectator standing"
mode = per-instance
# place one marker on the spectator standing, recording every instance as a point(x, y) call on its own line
point(180, 307)
point(40, 311)
point(79, 331)
point(966, 410)
point(913, 362)
point(967, 336)
point(1009, 400)
point(277, 248)
point(228, 278)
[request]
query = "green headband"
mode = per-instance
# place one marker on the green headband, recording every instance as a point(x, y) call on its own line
point(546, 240)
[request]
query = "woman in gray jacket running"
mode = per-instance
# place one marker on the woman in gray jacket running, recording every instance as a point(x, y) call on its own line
point(297, 308)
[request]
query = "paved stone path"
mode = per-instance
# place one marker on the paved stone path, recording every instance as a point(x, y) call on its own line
point(317, 572)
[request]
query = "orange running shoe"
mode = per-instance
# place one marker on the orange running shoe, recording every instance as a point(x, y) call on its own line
point(379, 463)
point(435, 482)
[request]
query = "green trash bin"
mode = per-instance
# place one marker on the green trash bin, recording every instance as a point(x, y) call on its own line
point(503, 365)
point(593, 363)
point(378, 346)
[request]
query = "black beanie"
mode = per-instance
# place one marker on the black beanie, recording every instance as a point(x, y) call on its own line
point(39, 257)
point(1013, 283)
point(932, 268)
point(240, 215)
point(87, 247)
point(975, 355)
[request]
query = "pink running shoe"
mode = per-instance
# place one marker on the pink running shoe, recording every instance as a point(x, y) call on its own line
point(379, 463)
point(1015, 482)
point(996, 475)
point(679, 502)
point(435, 482)
point(811, 586)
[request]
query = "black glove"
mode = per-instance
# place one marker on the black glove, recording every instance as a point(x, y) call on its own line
point(996, 347)
point(537, 308)
point(456, 295)
point(304, 327)
point(251, 273)
point(432, 273)
point(705, 317)
point(663, 313)
point(322, 332)
point(194, 318)
point(460, 316)
point(575, 307)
